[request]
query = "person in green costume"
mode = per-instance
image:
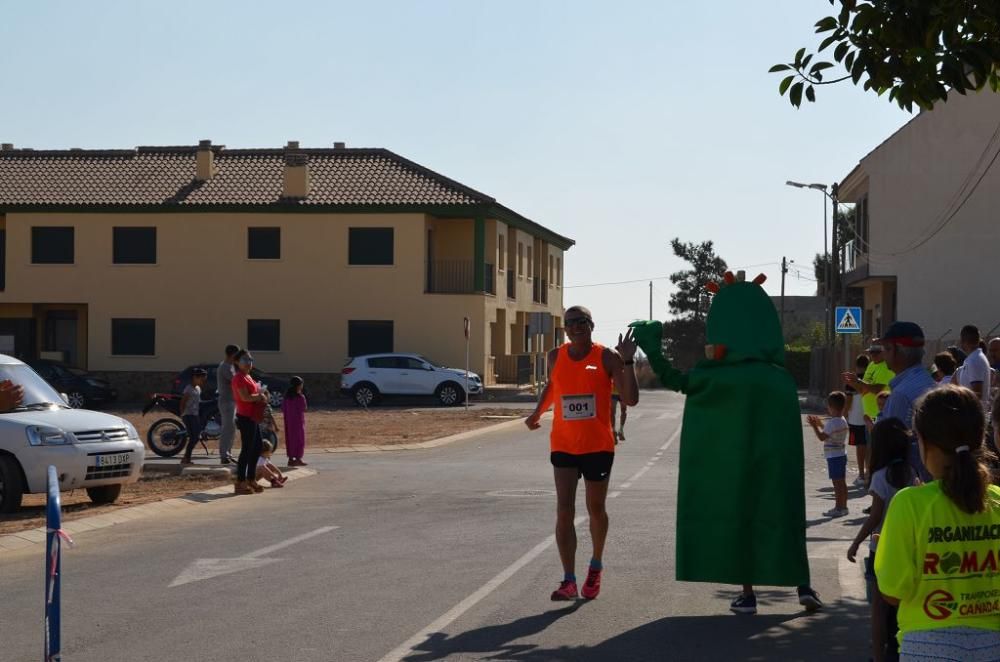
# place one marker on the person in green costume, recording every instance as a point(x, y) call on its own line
point(741, 492)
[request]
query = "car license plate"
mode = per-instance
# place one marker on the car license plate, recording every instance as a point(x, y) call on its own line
point(112, 460)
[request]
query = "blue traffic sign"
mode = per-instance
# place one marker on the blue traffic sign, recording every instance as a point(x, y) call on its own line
point(848, 319)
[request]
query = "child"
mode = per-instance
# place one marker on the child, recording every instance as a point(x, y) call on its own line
point(937, 554)
point(833, 434)
point(294, 410)
point(856, 419)
point(890, 473)
point(268, 425)
point(265, 469)
point(190, 409)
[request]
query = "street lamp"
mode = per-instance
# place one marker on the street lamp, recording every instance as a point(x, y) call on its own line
point(826, 254)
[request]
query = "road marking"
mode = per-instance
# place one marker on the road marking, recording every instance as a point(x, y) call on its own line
point(668, 415)
point(202, 569)
point(636, 416)
point(407, 647)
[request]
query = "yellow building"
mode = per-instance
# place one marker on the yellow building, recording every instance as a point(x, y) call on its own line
point(143, 261)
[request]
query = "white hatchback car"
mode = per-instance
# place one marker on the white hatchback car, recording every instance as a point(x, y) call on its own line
point(367, 378)
point(90, 450)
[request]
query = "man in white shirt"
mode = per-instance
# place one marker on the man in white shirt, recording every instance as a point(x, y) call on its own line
point(976, 373)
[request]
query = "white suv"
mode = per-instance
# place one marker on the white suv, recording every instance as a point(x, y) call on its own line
point(367, 378)
point(90, 450)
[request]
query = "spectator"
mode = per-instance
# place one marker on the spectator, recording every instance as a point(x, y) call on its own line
point(293, 407)
point(250, 404)
point(875, 381)
point(227, 406)
point(856, 419)
point(833, 434)
point(993, 353)
point(904, 353)
point(944, 364)
point(191, 411)
point(890, 473)
point(936, 554)
point(975, 373)
point(266, 469)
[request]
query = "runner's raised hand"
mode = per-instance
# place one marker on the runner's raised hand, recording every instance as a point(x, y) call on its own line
point(626, 345)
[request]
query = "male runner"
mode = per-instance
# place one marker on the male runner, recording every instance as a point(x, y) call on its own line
point(581, 374)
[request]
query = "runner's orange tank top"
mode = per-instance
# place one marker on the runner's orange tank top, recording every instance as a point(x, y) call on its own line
point(582, 400)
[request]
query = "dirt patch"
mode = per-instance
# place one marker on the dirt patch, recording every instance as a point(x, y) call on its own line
point(76, 504)
point(336, 428)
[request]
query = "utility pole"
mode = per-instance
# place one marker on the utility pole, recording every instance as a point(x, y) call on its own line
point(784, 270)
point(651, 301)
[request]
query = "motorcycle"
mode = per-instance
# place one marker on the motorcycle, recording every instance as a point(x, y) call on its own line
point(167, 436)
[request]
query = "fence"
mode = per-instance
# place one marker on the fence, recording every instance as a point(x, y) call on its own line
point(458, 277)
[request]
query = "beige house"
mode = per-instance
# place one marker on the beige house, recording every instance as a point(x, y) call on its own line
point(928, 221)
point(143, 261)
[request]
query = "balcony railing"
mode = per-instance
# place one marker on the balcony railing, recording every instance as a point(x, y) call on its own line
point(458, 277)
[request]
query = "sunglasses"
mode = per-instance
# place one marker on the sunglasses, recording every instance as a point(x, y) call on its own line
point(577, 321)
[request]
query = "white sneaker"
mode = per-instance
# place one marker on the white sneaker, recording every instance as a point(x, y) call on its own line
point(860, 480)
point(836, 512)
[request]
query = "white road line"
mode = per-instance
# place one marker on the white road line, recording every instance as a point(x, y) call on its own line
point(288, 543)
point(407, 647)
point(667, 415)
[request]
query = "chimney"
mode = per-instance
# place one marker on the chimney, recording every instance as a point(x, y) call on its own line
point(205, 161)
point(7, 147)
point(296, 182)
point(340, 145)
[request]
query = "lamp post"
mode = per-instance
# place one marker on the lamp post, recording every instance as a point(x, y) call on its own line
point(827, 280)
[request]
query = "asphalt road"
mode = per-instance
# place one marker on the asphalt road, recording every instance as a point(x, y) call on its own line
point(442, 554)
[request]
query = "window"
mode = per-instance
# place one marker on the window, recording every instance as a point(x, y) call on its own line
point(368, 337)
point(520, 259)
point(264, 243)
point(552, 269)
point(133, 337)
point(134, 245)
point(383, 363)
point(264, 335)
point(501, 253)
point(531, 272)
point(52, 245)
point(558, 271)
point(370, 246)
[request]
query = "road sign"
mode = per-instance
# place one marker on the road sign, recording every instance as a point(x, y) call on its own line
point(848, 319)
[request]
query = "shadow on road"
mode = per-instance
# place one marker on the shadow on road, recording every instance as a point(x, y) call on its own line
point(836, 633)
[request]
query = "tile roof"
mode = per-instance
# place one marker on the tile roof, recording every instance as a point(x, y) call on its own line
point(165, 176)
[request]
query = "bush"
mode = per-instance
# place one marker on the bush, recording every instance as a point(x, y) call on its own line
point(797, 363)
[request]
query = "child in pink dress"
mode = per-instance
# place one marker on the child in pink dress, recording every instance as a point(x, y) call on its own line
point(294, 410)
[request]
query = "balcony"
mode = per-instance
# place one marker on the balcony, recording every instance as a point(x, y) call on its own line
point(458, 277)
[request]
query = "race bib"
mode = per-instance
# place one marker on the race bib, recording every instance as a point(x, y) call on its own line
point(578, 407)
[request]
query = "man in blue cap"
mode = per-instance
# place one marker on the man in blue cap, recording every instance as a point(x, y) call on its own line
point(904, 353)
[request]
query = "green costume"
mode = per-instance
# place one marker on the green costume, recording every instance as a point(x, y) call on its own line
point(741, 494)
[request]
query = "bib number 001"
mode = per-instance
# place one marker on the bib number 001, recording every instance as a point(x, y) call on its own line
point(578, 407)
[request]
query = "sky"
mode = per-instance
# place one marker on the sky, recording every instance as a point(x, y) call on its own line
point(620, 125)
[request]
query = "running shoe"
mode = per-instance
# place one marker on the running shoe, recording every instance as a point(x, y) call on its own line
point(809, 599)
point(836, 512)
point(860, 480)
point(621, 434)
point(592, 587)
point(566, 591)
point(867, 511)
point(745, 604)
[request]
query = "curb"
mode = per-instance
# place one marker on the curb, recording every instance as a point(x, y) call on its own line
point(432, 443)
point(36, 536)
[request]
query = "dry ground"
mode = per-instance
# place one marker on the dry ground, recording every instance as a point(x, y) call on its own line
point(381, 426)
point(76, 504)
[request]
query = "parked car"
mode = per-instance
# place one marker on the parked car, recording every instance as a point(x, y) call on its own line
point(90, 450)
point(82, 389)
point(367, 378)
point(276, 386)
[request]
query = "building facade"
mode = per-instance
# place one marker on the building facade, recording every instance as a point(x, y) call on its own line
point(927, 220)
point(144, 261)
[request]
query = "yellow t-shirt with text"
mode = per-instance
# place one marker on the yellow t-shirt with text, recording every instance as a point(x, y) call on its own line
point(875, 373)
point(942, 563)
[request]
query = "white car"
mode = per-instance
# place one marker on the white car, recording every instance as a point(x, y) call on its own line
point(90, 450)
point(367, 378)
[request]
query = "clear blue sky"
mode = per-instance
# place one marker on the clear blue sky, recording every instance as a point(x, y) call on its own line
point(621, 125)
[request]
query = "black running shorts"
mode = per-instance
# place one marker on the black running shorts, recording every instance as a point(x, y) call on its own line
point(592, 466)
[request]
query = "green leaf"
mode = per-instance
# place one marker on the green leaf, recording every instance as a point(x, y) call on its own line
point(820, 66)
point(841, 51)
point(806, 60)
point(811, 94)
point(826, 24)
point(778, 67)
point(826, 42)
point(783, 87)
point(849, 60)
point(798, 57)
point(795, 95)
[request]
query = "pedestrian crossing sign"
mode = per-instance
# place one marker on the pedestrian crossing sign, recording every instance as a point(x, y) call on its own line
point(848, 319)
